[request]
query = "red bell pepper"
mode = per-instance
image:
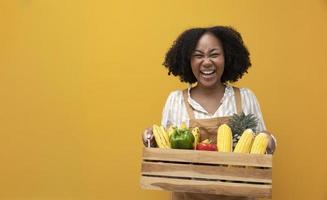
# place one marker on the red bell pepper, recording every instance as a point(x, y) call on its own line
point(206, 147)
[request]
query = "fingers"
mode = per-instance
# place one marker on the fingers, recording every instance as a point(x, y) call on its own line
point(148, 138)
point(271, 145)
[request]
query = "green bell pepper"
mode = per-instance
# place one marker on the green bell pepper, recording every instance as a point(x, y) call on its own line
point(182, 139)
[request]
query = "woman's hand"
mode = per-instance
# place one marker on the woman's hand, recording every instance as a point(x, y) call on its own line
point(148, 138)
point(271, 144)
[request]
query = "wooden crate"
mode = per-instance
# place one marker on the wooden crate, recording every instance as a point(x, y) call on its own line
point(231, 174)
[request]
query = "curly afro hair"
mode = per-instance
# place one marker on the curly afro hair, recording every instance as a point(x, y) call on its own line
point(237, 60)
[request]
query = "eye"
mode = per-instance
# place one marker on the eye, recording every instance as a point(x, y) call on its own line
point(214, 55)
point(197, 55)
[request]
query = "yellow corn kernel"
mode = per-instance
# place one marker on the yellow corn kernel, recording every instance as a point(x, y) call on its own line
point(157, 136)
point(165, 135)
point(244, 143)
point(260, 144)
point(224, 138)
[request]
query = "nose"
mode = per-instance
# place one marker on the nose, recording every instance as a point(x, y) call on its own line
point(206, 61)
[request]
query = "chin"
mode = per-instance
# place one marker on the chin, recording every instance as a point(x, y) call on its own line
point(208, 84)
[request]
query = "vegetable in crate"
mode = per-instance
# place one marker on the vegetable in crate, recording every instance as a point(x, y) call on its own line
point(182, 139)
point(224, 138)
point(171, 130)
point(260, 144)
point(206, 145)
point(239, 123)
point(161, 136)
point(244, 143)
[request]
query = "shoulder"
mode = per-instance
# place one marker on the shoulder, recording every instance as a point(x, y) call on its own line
point(246, 92)
point(175, 94)
point(248, 97)
point(174, 102)
point(174, 97)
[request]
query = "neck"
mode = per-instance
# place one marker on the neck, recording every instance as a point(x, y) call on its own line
point(210, 91)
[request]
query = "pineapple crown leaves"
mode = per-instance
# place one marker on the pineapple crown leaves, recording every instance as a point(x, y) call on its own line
point(239, 123)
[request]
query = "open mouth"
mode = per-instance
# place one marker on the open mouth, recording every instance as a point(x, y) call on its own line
point(207, 72)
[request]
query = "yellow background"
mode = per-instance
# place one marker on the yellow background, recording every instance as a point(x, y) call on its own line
point(80, 80)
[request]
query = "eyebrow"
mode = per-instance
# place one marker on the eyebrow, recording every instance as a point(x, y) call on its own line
point(196, 50)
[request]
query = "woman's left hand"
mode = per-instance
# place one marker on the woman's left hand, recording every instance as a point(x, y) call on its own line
point(272, 143)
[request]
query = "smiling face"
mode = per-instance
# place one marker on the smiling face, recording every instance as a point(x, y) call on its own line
point(208, 61)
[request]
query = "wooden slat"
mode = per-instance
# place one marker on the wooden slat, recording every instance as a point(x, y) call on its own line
point(208, 157)
point(207, 187)
point(249, 174)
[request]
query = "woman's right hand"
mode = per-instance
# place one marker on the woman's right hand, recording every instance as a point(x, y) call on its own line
point(148, 138)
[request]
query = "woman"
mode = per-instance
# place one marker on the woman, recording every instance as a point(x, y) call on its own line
point(210, 57)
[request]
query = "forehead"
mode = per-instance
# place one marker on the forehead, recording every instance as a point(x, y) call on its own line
point(208, 41)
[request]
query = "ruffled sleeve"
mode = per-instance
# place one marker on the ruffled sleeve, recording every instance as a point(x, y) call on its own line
point(166, 119)
point(250, 104)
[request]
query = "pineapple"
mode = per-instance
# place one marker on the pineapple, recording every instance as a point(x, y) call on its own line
point(239, 123)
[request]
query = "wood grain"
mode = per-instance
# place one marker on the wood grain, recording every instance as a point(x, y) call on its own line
point(217, 173)
point(207, 157)
point(219, 188)
point(207, 172)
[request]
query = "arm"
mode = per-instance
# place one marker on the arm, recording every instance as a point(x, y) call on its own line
point(251, 105)
point(172, 113)
point(166, 112)
point(147, 136)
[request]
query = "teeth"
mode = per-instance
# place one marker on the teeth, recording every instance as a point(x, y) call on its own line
point(208, 72)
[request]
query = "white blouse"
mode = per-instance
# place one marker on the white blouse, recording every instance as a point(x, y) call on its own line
point(175, 113)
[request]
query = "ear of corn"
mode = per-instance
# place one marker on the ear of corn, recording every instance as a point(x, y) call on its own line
point(157, 137)
point(165, 136)
point(244, 143)
point(224, 138)
point(161, 137)
point(260, 144)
